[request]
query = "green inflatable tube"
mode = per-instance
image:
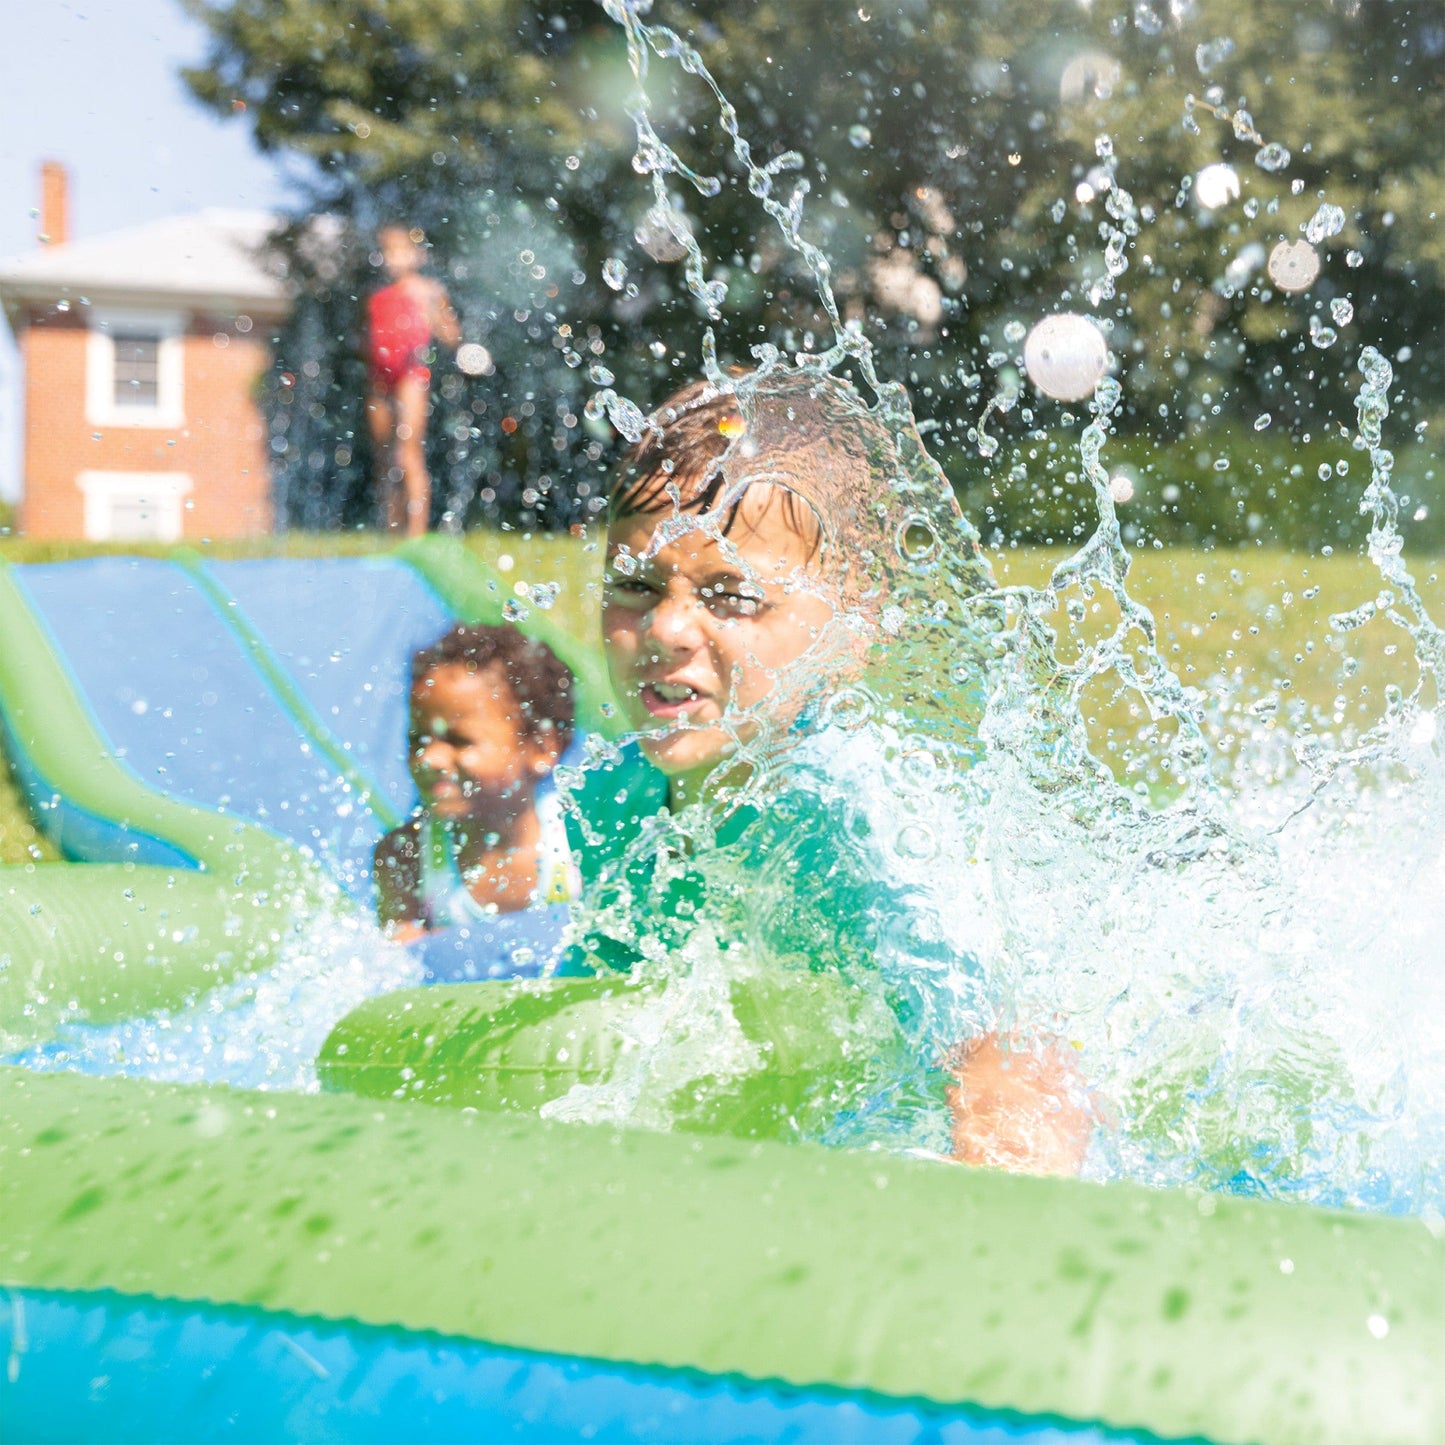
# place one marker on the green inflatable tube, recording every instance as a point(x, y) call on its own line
point(101, 942)
point(517, 1046)
point(1230, 1319)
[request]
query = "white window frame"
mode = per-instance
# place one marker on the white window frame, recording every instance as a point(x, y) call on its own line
point(164, 490)
point(100, 404)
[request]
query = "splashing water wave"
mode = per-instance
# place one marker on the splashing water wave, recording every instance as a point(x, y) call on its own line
point(1250, 974)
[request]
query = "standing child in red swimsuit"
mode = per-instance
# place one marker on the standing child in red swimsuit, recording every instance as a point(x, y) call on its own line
point(403, 318)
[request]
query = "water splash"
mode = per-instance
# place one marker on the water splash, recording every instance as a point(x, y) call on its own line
point(1215, 954)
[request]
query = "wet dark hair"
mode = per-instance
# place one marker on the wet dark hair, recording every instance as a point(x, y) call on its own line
point(543, 685)
point(678, 461)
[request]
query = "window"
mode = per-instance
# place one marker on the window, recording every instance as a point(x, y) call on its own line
point(133, 506)
point(137, 370)
point(134, 369)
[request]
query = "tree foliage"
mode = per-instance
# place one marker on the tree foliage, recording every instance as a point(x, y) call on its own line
point(967, 167)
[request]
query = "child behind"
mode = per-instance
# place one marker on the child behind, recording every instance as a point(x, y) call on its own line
point(491, 713)
point(402, 320)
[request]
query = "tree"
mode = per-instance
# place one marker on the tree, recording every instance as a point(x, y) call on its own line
point(957, 185)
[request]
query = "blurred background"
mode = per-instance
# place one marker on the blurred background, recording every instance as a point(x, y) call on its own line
point(219, 171)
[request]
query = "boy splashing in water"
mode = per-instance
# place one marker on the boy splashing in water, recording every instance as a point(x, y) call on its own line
point(752, 537)
point(403, 318)
point(491, 712)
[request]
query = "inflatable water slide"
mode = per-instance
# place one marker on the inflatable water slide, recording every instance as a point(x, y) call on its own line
point(413, 1254)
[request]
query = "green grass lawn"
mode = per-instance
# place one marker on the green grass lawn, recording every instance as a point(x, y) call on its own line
point(1253, 621)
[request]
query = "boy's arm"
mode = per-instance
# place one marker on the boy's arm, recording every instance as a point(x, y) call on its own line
point(1018, 1107)
point(396, 871)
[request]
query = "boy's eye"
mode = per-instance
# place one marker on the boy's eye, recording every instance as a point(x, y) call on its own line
point(627, 587)
point(742, 600)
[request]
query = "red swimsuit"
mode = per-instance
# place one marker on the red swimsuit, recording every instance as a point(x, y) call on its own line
point(398, 334)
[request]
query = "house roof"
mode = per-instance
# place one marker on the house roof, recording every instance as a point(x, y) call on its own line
point(212, 259)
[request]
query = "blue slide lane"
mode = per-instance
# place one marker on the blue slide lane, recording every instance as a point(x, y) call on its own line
point(345, 630)
point(172, 691)
point(115, 1368)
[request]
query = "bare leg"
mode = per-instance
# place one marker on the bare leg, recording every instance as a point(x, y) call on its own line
point(413, 409)
point(381, 419)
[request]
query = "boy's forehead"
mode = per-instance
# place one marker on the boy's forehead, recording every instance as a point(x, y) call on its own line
point(771, 523)
point(456, 680)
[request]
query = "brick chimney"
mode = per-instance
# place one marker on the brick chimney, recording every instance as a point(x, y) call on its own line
point(54, 204)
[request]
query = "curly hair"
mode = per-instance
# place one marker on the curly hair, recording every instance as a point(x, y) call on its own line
point(544, 686)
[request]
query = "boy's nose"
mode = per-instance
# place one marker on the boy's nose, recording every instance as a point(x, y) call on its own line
point(676, 620)
point(438, 756)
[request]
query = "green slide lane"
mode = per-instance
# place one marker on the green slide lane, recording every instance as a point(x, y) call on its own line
point(119, 939)
point(302, 714)
point(1233, 1319)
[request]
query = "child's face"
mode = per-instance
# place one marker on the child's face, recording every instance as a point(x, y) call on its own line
point(699, 628)
point(469, 749)
point(399, 253)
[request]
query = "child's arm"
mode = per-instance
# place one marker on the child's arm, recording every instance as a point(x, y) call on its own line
point(396, 871)
point(1018, 1108)
point(444, 324)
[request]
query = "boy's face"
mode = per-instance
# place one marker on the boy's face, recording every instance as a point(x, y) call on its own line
point(698, 628)
point(469, 749)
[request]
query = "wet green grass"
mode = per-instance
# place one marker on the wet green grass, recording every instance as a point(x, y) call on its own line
point(1246, 625)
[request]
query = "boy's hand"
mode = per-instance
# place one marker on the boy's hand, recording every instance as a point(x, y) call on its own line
point(1018, 1108)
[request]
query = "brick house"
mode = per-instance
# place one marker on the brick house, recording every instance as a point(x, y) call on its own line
point(140, 351)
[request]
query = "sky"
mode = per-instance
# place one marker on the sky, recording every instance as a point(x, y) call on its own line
point(96, 84)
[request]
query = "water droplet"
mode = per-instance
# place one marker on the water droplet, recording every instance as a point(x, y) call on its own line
point(513, 610)
point(1212, 53)
point(1342, 310)
point(849, 708)
point(1058, 211)
point(1014, 331)
point(859, 136)
point(1262, 421)
point(1272, 157)
point(1323, 336)
point(626, 416)
point(614, 273)
point(1327, 221)
point(1354, 259)
point(917, 842)
point(600, 375)
point(916, 540)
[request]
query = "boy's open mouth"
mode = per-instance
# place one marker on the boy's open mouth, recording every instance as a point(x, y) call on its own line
point(669, 699)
